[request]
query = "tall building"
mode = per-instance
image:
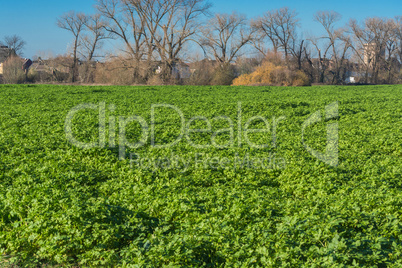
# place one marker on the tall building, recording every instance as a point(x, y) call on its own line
point(370, 53)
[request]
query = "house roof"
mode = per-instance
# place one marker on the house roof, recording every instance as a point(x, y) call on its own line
point(5, 52)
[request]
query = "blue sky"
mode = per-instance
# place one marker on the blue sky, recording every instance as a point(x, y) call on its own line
point(35, 20)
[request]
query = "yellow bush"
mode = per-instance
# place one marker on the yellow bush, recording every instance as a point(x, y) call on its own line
point(272, 74)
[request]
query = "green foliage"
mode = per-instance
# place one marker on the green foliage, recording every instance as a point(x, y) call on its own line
point(64, 205)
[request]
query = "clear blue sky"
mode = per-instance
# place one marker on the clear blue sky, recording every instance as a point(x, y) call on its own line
point(35, 20)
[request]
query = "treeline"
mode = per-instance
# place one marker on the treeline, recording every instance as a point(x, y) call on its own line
point(159, 39)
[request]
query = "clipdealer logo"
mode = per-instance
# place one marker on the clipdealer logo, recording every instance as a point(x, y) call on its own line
point(116, 127)
point(331, 154)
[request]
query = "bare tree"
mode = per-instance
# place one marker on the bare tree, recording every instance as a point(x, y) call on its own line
point(279, 27)
point(91, 41)
point(124, 23)
point(307, 64)
point(13, 74)
point(225, 35)
point(392, 45)
point(15, 42)
point(398, 33)
point(321, 64)
point(337, 42)
point(74, 23)
point(298, 49)
point(371, 40)
point(153, 30)
point(170, 25)
point(93, 36)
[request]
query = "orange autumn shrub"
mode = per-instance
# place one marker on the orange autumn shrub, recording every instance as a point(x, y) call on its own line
point(270, 73)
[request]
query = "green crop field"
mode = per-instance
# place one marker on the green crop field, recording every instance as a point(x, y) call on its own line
point(180, 176)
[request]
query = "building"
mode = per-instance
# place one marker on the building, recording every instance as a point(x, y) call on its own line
point(350, 80)
point(370, 53)
point(5, 52)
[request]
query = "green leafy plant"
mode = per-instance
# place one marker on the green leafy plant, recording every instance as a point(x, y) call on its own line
point(61, 205)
